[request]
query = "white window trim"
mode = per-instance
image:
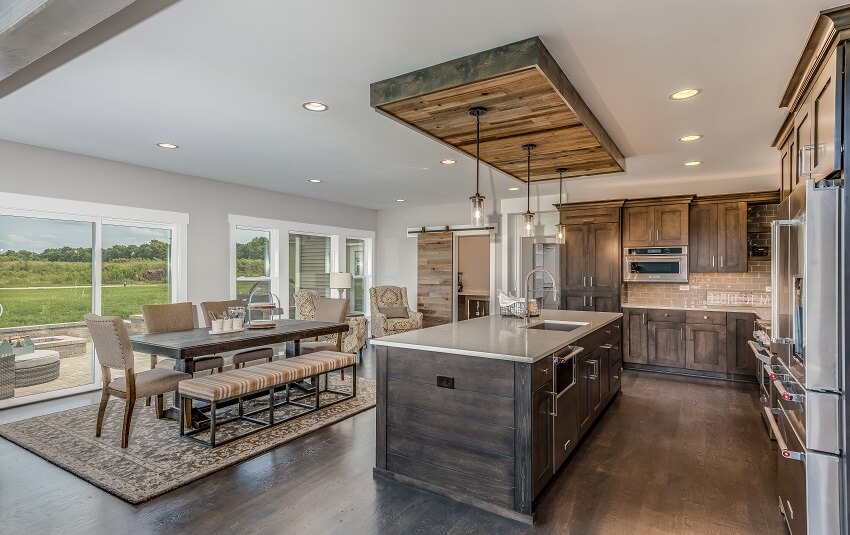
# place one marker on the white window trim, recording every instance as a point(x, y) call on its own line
point(338, 236)
point(274, 257)
point(99, 214)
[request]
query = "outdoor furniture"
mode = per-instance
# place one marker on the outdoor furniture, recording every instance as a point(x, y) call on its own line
point(236, 384)
point(7, 376)
point(218, 309)
point(114, 352)
point(387, 299)
point(40, 366)
point(184, 346)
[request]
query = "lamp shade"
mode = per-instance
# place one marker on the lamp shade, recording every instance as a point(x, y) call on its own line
point(340, 281)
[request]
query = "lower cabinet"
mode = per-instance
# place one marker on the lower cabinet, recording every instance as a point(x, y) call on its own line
point(706, 347)
point(696, 340)
point(566, 426)
point(666, 340)
point(541, 436)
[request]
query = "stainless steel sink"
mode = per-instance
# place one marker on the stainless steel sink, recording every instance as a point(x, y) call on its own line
point(552, 325)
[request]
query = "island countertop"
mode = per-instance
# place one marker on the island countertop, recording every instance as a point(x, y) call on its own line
point(501, 337)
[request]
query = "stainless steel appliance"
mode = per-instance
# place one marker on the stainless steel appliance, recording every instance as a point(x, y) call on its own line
point(767, 371)
point(655, 264)
point(808, 363)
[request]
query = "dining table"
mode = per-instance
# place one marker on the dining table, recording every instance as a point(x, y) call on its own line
point(185, 346)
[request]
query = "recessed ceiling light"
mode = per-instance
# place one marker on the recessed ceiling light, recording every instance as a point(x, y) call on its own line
point(314, 106)
point(691, 137)
point(692, 164)
point(167, 146)
point(682, 94)
point(399, 200)
point(314, 180)
point(513, 189)
point(447, 161)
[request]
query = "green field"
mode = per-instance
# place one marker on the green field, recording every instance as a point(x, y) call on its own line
point(61, 305)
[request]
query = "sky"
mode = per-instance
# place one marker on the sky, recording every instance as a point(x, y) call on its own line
point(36, 235)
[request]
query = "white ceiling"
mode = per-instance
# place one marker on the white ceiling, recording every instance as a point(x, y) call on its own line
point(225, 81)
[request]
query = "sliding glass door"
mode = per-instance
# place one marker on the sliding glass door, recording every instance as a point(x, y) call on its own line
point(53, 271)
point(355, 261)
point(310, 263)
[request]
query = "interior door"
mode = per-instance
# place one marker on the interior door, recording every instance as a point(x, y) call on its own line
point(435, 280)
point(603, 261)
point(732, 237)
point(666, 344)
point(706, 347)
point(702, 253)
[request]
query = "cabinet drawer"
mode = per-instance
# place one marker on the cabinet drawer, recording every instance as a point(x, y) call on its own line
point(541, 373)
point(708, 318)
point(666, 315)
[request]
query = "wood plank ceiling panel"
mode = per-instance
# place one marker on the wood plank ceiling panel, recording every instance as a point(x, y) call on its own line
point(528, 100)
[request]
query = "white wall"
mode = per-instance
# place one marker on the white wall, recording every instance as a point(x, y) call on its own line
point(36, 171)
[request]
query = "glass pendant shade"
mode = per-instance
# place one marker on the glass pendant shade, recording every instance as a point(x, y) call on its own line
point(477, 211)
point(561, 233)
point(528, 225)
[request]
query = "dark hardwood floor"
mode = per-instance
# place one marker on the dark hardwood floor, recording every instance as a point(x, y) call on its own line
point(671, 455)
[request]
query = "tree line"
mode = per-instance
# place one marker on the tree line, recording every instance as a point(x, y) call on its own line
point(153, 250)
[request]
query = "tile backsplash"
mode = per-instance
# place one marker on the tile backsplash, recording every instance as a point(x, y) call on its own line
point(729, 289)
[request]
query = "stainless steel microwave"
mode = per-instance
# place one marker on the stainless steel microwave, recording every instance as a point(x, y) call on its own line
point(655, 264)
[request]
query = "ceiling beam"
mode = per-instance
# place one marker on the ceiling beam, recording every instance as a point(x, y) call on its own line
point(37, 36)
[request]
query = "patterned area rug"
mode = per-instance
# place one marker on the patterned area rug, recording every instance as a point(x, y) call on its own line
point(158, 459)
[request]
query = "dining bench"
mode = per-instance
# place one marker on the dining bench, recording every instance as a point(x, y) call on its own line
point(267, 377)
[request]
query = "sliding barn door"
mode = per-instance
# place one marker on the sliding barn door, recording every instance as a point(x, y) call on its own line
point(435, 280)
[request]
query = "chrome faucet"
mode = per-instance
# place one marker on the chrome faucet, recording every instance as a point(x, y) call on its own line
point(554, 288)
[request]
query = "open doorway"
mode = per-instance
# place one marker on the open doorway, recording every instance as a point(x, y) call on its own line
point(473, 275)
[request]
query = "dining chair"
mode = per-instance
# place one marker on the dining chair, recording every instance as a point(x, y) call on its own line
point(218, 309)
point(114, 352)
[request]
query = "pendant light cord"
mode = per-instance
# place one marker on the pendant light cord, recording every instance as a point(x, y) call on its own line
point(528, 179)
point(477, 152)
point(560, 187)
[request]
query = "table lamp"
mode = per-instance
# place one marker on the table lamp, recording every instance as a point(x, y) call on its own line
point(340, 282)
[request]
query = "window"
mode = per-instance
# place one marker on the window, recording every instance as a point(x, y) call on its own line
point(56, 267)
point(253, 265)
point(309, 265)
point(355, 261)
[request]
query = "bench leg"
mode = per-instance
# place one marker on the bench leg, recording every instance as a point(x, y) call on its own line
point(212, 424)
point(271, 406)
point(354, 381)
point(317, 391)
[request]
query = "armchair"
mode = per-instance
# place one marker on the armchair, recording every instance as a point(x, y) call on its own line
point(392, 297)
point(306, 308)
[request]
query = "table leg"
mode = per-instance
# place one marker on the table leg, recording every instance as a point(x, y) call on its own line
point(195, 418)
point(304, 386)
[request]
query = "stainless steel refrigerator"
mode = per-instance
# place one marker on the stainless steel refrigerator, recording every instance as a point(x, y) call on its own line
point(809, 371)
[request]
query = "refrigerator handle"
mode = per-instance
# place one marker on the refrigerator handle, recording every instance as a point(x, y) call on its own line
point(775, 286)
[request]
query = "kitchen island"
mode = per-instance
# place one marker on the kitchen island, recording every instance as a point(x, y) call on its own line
point(485, 411)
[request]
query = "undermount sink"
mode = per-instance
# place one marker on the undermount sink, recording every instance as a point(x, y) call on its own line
point(551, 325)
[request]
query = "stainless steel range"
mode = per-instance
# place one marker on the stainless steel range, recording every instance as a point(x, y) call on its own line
point(807, 368)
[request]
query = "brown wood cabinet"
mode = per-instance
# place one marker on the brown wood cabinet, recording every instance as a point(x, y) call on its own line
point(739, 331)
point(635, 335)
point(541, 436)
point(718, 237)
point(647, 223)
point(822, 107)
point(706, 347)
point(666, 343)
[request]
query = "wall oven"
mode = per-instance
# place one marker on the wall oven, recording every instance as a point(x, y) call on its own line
point(655, 264)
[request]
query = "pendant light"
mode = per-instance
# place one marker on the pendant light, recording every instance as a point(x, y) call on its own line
point(528, 217)
point(477, 199)
point(561, 228)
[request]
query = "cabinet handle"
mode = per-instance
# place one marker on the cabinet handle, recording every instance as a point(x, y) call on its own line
point(643, 321)
point(721, 260)
point(584, 300)
point(595, 374)
point(591, 281)
point(681, 333)
point(554, 411)
point(712, 261)
point(566, 444)
point(544, 370)
point(584, 280)
point(591, 300)
point(656, 234)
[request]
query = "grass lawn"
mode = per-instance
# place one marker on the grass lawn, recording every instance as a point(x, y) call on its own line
point(60, 305)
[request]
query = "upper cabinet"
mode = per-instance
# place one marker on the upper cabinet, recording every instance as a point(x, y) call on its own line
point(718, 237)
point(659, 222)
point(810, 141)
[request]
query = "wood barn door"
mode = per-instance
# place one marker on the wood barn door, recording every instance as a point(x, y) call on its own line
point(435, 278)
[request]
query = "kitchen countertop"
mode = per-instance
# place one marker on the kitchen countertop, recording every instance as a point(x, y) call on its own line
point(500, 337)
point(760, 312)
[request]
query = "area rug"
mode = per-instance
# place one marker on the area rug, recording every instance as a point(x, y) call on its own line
point(158, 459)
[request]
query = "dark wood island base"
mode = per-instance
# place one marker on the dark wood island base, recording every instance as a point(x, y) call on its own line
point(490, 432)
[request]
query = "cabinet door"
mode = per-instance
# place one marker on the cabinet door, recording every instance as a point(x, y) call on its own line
point(604, 303)
point(666, 341)
point(583, 380)
point(671, 224)
point(803, 142)
point(702, 253)
point(566, 426)
point(823, 121)
point(706, 347)
point(615, 371)
point(732, 237)
point(603, 260)
point(638, 229)
point(595, 373)
point(787, 168)
point(635, 335)
point(576, 301)
point(541, 436)
point(604, 376)
point(739, 331)
point(574, 255)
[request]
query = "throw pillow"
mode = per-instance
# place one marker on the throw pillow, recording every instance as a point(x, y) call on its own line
point(394, 312)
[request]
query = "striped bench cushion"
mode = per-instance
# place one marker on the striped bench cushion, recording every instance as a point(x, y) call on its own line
point(245, 381)
point(325, 361)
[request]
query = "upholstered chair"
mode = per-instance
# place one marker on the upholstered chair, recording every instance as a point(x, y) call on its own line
point(391, 313)
point(306, 306)
point(218, 309)
point(112, 346)
point(310, 306)
point(171, 318)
